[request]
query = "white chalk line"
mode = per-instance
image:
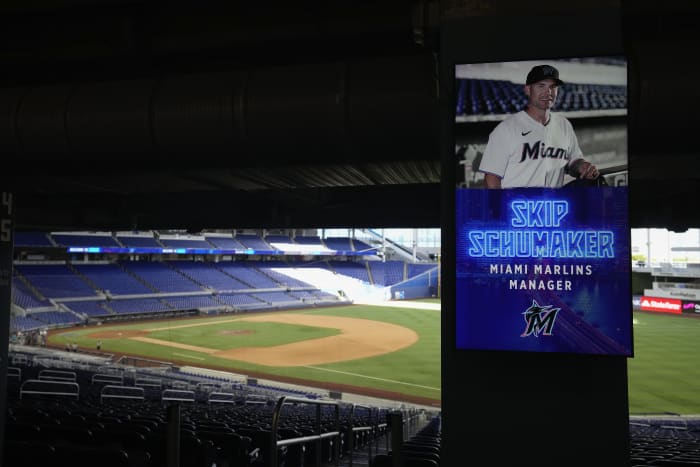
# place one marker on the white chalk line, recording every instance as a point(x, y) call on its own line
point(373, 377)
point(187, 356)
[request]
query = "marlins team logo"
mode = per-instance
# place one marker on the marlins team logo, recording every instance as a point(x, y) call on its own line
point(539, 319)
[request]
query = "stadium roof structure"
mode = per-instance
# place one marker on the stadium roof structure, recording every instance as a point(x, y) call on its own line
point(138, 114)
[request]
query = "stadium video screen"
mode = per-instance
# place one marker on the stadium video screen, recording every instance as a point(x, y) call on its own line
point(541, 206)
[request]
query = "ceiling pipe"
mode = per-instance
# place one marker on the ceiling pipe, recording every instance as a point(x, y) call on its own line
point(361, 110)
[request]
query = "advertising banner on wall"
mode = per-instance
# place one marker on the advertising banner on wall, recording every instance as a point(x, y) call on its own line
point(660, 304)
point(691, 307)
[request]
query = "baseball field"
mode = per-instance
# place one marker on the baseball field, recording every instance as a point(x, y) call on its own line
point(392, 353)
point(387, 352)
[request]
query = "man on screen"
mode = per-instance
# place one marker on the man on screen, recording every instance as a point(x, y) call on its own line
point(535, 147)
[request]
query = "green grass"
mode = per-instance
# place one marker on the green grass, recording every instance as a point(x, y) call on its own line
point(413, 371)
point(252, 334)
point(664, 374)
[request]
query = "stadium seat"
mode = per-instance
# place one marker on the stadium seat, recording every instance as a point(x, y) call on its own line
point(25, 453)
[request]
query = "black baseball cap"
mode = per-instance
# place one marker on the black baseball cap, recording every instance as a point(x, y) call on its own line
point(540, 72)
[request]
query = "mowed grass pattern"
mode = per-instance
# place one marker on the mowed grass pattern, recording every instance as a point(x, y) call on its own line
point(664, 374)
point(413, 371)
point(247, 334)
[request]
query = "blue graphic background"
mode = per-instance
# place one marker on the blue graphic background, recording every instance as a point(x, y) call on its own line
point(596, 314)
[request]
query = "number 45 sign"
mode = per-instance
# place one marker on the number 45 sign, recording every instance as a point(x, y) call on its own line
point(6, 219)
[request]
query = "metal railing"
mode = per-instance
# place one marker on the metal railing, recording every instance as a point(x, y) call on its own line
point(372, 430)
point(49, 388)
point(275, 444)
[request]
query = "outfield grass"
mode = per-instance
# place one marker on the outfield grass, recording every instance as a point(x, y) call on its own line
point(664, 374)
point(413, 371)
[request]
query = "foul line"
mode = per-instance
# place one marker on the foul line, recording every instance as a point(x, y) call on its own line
point(188, 356)
point(373, 377)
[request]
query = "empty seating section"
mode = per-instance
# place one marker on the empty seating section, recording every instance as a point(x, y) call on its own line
point(89, 307)
point(25, 297)
point(55, 280)
point(68, 422)
point(112, 278)
point(664, 441)
point(321, 264)
point(247, 274)
point(356, 270)
point(489, 97)
point(161, 277)
point(139, 241)
point(278, 275)
point(54, 318)
point(86, 291)
point(242, 301)
point(138, 305)
point(422, 449)
point(359, 245)
point(253, 242)
point(314, 296)
point(185, 243)
point(339, 243)
point(208, 275)
point(25, 323)
point(43, 427)
point(35, 239)
point(225, 243)
point(575, 97)
point(193, 302)
point(309, 240)
point(272, 239)
point(386, 273)
point(277, 298)
point(302, 294)
point(84, 240)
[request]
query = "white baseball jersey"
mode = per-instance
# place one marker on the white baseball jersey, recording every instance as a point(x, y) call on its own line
point(525, 153)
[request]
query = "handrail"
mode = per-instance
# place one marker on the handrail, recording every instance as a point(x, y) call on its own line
point(148, 382)
point(14, 372)
point(107, 378)
point(121, 392)
point(61, 388)
point(222, 398)
point(351, 438)
point(58, 375)
point(179, 395)
point(275, 443)
point(20, 359)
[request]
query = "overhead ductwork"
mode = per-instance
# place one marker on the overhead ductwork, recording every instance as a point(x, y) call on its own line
point(356, 111)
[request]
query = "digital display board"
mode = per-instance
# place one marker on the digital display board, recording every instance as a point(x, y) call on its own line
point(216, 251)
point(543, 260)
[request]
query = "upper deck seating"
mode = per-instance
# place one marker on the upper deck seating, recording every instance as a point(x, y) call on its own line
point(138, 241)
point(29, 239)
point(112, 278)
point(84, 240)
point(253, 242)
point(225, 243)
point(55, 280)
point(161, 277)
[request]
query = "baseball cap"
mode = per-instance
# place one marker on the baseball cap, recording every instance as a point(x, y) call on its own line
point(540, 72)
